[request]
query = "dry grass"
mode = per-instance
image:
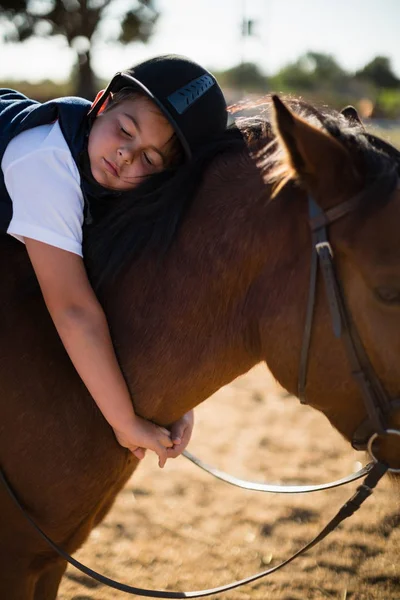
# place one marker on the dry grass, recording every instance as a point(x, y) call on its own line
point(179, 529)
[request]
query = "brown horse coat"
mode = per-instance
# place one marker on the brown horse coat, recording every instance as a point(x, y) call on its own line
point(230, 292)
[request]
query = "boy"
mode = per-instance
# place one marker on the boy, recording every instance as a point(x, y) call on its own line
point(56, 159)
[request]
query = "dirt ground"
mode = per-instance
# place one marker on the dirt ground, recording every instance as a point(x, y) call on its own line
point(180, 529)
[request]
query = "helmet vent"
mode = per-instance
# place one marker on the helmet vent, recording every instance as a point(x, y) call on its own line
point(183, 98)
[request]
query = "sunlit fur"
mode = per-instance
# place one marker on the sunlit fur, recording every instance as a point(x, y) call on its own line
point(200, 280)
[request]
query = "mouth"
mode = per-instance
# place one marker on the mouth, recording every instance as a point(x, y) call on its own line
point(111, 168)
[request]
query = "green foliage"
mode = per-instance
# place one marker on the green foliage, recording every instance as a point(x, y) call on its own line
point(245, 75)
point(379, 72)
point(311, 71)
point(43, 91)
point(374, 89)
point(388, 104)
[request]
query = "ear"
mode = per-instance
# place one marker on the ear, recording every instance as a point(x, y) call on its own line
point(317, 158)
point(350, 113)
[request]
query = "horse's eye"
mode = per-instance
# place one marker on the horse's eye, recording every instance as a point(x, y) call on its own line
point(388, 295)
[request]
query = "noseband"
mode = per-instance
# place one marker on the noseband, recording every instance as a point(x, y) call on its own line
point(379, 406)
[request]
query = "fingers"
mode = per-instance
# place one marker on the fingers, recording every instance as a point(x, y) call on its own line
point(139, 453)
point(178, 432)
point(165, 438)
point(166, 453)
point(162, 458)
point(161, 452)
point(173, 452)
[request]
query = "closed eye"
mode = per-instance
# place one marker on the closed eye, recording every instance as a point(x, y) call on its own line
point(387, 294)
point(147, 159)
point(125, 132)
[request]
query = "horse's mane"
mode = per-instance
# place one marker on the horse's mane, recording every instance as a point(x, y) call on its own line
point(151, 215)
point(373, 158)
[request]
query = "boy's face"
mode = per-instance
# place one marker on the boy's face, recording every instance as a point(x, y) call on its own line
point(127, 143)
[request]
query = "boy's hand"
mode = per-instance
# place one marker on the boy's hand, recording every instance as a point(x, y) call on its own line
point(181, 432)
point(140, 435)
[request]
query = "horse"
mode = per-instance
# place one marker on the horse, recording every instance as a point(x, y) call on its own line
point(221, 287)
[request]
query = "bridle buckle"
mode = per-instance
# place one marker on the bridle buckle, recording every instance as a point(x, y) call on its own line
point(321, 245)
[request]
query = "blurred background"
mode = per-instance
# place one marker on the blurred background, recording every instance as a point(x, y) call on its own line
point(332, 52)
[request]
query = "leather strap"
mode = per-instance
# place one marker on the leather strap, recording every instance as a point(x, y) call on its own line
point(377, 403)
point(353, 504)
point(274, 488)
point(381, 187)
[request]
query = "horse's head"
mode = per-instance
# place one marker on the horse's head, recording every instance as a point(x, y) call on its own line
point(351, 181)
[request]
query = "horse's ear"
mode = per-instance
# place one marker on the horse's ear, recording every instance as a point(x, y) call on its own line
point(350, 113)
point(317, 158)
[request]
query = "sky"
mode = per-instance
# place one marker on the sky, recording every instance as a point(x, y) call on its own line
point(209, 31)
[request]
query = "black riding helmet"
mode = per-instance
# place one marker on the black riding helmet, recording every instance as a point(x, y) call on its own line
point(186, 93)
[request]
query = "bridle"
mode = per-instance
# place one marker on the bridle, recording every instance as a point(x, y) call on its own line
point(376, 400)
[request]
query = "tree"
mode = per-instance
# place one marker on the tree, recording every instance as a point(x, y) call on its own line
point(244, 75)
point(311, 71)
point(78, 21)
point(379, 72)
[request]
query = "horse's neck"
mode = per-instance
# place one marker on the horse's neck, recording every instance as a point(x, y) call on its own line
point(18, 281)
point(184, 330)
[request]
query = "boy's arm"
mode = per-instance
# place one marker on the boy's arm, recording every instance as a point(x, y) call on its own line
point(82, 326)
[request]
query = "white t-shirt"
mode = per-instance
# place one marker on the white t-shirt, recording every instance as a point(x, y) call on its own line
point(43, 182)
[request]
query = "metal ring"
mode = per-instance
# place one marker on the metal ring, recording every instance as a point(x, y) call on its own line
point(371, 441)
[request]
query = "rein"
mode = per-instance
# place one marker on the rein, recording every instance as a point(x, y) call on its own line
point(377, 403)
point(349, 508)
point(273, 488)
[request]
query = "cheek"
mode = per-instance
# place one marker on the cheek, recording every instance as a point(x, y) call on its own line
point(133, 175)
point(379, 328)
point(93, 143)
point(100, 138)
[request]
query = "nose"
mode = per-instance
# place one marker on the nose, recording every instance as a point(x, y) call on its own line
point(126, 154)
